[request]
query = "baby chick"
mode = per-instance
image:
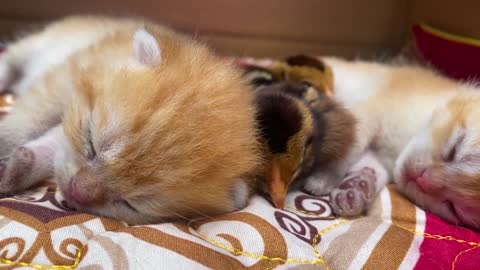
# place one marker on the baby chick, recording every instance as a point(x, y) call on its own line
point(306, 70)
point(302, 129)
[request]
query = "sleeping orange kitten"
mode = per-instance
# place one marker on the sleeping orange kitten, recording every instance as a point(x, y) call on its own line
point(135, 121)
point(415, 127)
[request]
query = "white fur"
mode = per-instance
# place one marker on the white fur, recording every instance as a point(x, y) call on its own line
point(64, 165)
point(39, 53)
point(424, 200)
point(113, 150)
point(240, 194)
point(383, 124)
point(455, 141)
point(369, 160)
point(361, 83)
point(398, 111)
point(417, 153)
point(321, 183)
point(45, 149)
point(390, 103)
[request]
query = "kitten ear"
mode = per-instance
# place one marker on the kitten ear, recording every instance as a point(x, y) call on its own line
point(146, 48)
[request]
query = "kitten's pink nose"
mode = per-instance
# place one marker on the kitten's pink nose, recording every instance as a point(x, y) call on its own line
point(422, 178)
point(84, 189)
point(80, 196)
point(413, 175)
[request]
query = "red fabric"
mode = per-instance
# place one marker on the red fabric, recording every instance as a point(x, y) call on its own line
point(437, 254)
point(455, 59)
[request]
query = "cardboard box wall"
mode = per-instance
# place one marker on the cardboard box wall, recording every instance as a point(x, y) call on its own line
point(271, 28)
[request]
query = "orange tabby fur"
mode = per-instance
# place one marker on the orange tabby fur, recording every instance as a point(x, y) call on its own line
point(175, 139)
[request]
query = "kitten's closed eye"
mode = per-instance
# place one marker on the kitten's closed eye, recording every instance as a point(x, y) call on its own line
point(91, 150)
point(126, 204)
point(91, 153)
point(452, 148)
point(450, 154)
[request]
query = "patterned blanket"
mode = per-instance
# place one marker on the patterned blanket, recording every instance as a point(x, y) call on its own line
point(37, 231)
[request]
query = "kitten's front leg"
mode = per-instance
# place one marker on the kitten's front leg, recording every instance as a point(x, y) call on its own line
point(31, 163)
point(359, 188)
point(34, 113)
point(323, 182)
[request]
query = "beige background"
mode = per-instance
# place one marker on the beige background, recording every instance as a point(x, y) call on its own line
point(272, 28)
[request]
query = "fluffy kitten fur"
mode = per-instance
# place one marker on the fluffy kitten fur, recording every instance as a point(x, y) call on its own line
point(417, 124)
point(146, 124)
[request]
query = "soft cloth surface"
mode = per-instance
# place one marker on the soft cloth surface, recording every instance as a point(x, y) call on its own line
point(37, 231)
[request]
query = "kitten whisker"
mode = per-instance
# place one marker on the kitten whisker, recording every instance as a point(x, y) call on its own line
point(199, 212)
point(180, 216)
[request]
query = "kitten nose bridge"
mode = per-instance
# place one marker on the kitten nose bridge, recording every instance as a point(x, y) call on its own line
point(424, 179)
point(85, 189)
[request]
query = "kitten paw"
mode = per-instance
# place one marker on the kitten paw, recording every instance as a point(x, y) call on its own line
point(355, 193)
point(15, 169)
point(320, 185)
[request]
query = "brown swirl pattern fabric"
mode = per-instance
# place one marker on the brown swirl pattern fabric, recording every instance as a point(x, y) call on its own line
point(38, 231)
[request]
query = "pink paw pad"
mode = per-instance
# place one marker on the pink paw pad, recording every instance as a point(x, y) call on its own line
point(355, 193)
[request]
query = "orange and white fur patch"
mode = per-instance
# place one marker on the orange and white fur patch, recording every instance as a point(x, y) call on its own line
point(415, 127)
point(134, 121)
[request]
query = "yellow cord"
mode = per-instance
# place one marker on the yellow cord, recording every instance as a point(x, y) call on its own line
point(45, 267)
point(319, 261)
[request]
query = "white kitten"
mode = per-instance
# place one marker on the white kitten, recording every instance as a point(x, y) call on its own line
point(393, 104)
